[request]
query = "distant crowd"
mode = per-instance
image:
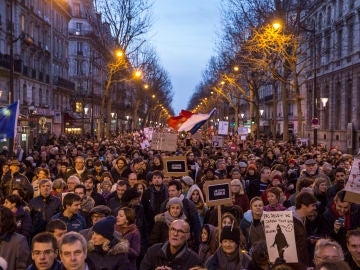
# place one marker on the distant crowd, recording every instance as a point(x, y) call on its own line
point(81, 204)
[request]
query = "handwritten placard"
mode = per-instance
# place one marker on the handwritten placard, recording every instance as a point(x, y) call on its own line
point(280, 236)
point(352, 186)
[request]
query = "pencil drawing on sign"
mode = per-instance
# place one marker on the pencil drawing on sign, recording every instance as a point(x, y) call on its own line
point(280, 236)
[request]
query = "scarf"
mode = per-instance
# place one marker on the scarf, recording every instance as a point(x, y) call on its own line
point(125, 230)
point(169, 218)
point(228, 262)
point(346, 217)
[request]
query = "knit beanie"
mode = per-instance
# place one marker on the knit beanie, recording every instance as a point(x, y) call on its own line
point(105, 227)
point(230, 233)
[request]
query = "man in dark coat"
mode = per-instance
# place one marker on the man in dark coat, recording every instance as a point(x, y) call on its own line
point(43, 207)
point(353, 245)
point(15, 180)
point(173, 254)
point(338, 218)
point(79, 169)
point(305, 205)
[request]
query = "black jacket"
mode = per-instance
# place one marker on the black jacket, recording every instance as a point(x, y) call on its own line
point(42, 209)
point(159, 255)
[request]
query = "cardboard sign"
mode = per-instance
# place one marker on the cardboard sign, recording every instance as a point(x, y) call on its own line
point(148, 131)
point(280, 236)
point(218, 141)
point(243, 131)
point(164, 141)
point(175, 166)
point(217, 192)
point(223, 128)
point(352, 186)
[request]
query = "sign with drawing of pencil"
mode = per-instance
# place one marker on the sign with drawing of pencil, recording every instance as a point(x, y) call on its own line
point(280, 236)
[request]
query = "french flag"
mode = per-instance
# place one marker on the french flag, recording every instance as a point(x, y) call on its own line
point(188, 121)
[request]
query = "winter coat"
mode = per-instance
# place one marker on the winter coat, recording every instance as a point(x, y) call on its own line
point(42, 209)
point(15, 250)
point(113, 259)
point(208, 248)
point(132, 235)
point(352, 221)
point(76, 223)
point(220, 261)
point(160, 232)
point(159, 255)
point(19, 181)
point(192, 217)
point(23, 223)
point(201, 205)
point(252, 230)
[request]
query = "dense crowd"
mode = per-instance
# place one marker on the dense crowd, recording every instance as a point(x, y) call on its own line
point(79, 203)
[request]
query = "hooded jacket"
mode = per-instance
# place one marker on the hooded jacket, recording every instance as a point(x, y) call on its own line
point(116, 257)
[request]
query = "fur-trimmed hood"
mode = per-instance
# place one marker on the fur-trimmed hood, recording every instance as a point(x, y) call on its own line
point(192, 189)
point(113, 247)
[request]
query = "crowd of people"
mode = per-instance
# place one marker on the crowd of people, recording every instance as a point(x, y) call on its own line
point(78, 203)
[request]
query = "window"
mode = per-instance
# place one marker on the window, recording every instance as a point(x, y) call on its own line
point(340, 7)
point(78, 107)
point(79, 46)
point(350, 41)
point(339, 43)
point(77, 9)
point(78, 28)
point(328, 19)
point(78, 67)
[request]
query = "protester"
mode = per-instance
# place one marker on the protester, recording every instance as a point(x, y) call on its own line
point(174, 253)
point(353, 246)
point(104, 250)
point(125, 225)
point(13, 246)
point(228, 256)
point(44, 250)
point(74, 221)
point(73, 252)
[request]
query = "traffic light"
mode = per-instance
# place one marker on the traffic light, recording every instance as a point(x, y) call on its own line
point(253, 120)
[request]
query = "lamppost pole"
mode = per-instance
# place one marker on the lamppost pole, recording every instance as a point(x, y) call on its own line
point(315, 87)
point(11, 72)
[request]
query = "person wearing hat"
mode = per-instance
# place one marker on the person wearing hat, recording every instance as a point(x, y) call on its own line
point(14, 179)
point(312, 170)
point(104, 250)
point(228, 256)
point(174, 210)
point(186, 182)
point(97, 214)
point(209, 175)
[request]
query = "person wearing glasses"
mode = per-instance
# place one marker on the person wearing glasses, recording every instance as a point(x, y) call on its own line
point(44, 252)
point(174, 253)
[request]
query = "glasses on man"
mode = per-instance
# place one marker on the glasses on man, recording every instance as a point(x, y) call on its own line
point(46, 252)
point(173, 230)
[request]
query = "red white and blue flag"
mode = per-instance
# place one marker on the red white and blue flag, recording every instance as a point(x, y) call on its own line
point(188, 121)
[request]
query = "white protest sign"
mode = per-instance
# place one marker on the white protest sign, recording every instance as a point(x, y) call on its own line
point(352, 186)
point(280, 236)
point(218, 141)
point(223, 128)
point(243, 131)
point(148, 131)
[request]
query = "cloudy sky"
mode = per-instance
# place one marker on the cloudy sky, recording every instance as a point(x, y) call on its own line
point(184, 33)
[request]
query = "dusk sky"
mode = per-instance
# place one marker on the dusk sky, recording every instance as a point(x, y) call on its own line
point(184, 33)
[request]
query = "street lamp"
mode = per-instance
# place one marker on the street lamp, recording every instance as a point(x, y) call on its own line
point(261, 113)
point(324, 100)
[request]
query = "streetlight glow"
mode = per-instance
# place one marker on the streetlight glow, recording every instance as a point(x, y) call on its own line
point(119, 53)
point(137, 73)
point(276, 25)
